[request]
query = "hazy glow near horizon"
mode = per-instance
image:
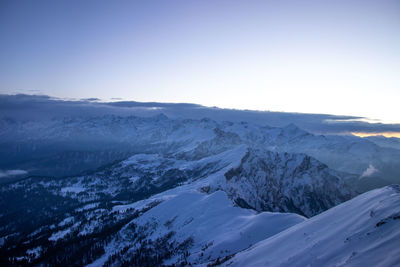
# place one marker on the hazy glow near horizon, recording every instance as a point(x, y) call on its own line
point(336, 57)
point(385, 134)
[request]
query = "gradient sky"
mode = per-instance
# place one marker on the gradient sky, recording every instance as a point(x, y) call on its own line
point(337, 57)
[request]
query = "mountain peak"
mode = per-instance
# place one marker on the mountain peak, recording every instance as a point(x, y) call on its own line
point(274, 181)
point(293, 130)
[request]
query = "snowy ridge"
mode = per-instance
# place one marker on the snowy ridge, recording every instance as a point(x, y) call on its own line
point(133, 193)
point(285, 182)
point(364, 231)
point(116, 137)
point(253, 178)
point(214, 227)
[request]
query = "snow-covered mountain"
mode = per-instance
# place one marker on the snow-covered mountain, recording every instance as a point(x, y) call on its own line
point(193, 228)
point(391, 142)
point(364, 231)
point(106, 202)
point(285, 182)
point(84, 144)
point(126, 190)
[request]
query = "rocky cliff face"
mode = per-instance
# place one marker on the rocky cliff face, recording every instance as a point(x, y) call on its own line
point(285, 182)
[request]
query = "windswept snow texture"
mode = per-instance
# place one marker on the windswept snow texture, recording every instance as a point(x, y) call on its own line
point(364, 231)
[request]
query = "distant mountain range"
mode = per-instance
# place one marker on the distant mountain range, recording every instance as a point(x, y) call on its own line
point(152, 188)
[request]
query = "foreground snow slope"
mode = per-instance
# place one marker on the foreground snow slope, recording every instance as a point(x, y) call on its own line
point(364, 231)
point(214, 227)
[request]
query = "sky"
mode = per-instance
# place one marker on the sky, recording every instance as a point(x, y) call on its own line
point(333, 57)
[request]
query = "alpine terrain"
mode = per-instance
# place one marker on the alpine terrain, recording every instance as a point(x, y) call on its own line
point(144, 189)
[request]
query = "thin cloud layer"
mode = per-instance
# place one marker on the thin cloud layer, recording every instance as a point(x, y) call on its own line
point(42, 107)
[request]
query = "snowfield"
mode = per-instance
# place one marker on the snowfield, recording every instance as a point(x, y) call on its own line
point(364, 231)
point(217, 227)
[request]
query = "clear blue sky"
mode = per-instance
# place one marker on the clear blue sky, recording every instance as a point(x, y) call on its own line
point(338, 57)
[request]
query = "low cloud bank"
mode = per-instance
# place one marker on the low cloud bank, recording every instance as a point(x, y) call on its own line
point(371, 170)
point(42, 107)
point(9, 173)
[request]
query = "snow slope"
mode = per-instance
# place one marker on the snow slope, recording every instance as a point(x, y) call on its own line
point(215, 227)
point(364, 231)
